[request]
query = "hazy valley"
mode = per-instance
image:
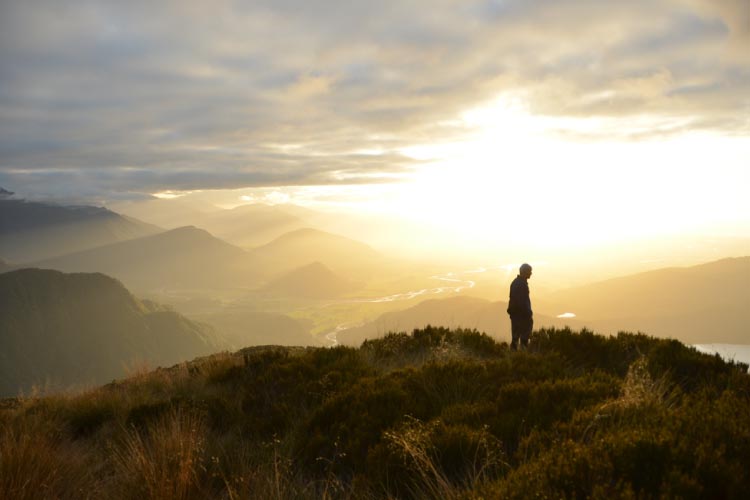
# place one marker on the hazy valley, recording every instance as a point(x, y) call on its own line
point(306, 286)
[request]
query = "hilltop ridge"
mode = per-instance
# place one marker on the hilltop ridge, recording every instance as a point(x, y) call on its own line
point(436, 413)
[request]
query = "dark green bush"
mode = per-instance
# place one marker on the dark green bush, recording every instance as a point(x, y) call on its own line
point(425, 459)
point(690, 368)
point(86, 420)
point(340, 432)
point(698, 449)
point(587, 351)
point(277, 389)
point(142, 415)
point(401, 349)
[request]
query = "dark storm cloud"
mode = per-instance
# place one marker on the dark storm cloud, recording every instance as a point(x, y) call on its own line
point(145, 96)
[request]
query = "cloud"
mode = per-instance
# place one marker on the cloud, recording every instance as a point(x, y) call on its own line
point(142, 96)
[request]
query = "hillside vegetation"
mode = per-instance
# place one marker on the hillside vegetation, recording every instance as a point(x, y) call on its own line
point(436, 414)
point(453, 312)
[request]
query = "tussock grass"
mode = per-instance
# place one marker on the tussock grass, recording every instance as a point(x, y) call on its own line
point(434, 414)
point(165, 461)
point(37, 462)
point(476, 459)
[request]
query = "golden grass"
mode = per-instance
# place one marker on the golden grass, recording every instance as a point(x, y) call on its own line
point(36, 462)
point(165, 462)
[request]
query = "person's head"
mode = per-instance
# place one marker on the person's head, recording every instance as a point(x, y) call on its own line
point(525, 271)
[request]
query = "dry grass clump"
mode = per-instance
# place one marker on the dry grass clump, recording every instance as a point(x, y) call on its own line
point(639, 387)
point(37, 462)
point(166, 461)
point(443, 461)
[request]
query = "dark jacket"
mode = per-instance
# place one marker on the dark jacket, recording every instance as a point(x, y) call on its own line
point(519, 304)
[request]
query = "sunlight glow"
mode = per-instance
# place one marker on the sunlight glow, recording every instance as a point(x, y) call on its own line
point(170, 195)
point(517, 178)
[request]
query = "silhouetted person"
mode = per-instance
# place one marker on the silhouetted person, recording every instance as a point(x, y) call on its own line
point(519, 309)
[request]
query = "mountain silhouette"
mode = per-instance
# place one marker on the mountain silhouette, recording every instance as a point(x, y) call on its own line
point(314, 281)
point(186, 257)
point(166, 213)
point(697, 304)
point(243, 328)
point(74, 329)
point(295, 249)
point(246, 226)
point(252, 225)
point(31, 231)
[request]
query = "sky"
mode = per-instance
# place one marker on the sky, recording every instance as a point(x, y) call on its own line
point(552, 120)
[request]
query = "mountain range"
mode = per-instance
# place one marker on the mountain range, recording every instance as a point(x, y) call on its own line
point(77, 329)
point(707, 303)
point(696, 304)
point(246, 226)
point(304, 246)
point(313, 281)
point(249, 226)
point(31, 231)
point(186, 258)
point(191, 258)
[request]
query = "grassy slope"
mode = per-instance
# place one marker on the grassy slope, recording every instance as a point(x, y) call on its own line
point(436, 414)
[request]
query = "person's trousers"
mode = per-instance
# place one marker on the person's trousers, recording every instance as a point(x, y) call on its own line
point(520, 329)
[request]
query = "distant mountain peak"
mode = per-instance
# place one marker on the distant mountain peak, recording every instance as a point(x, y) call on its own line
point(316, 266)
point(196, 235)
point(183, 257)
point(309, 231)
point(188, 230)
point(313, 280)
point(309, 235)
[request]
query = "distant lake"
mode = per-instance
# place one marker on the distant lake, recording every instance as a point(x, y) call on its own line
point(566, 315)
point(736, 352)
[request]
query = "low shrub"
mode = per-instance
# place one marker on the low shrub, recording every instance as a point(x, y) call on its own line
point(436, 414)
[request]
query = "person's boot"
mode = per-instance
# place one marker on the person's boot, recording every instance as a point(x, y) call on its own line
point(514, 345)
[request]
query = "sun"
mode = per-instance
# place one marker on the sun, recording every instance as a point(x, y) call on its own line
point(499, 183)
point(516, 179)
